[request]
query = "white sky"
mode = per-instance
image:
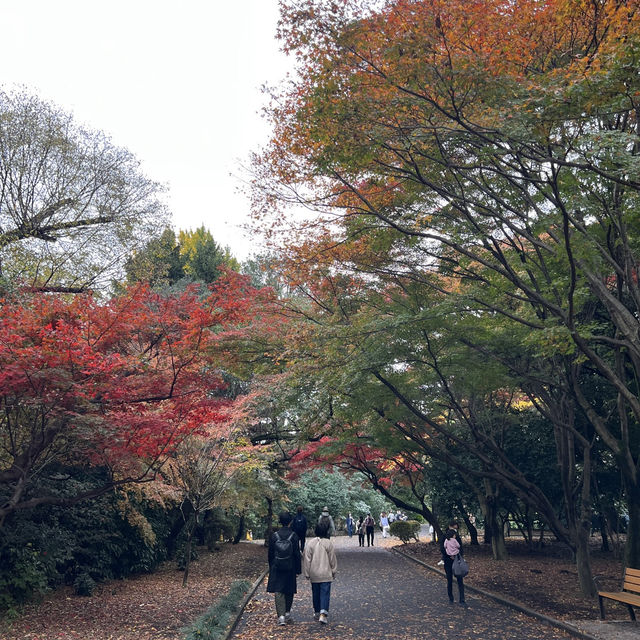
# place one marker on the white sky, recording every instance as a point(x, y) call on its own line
point(175, 82)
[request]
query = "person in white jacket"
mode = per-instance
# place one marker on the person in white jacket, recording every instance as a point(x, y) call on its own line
point(320, 565)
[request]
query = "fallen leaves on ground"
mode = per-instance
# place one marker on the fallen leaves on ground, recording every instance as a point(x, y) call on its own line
point(544, 580)
point(146, 607)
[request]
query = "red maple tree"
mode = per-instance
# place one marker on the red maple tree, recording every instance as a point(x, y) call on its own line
point(116, 385)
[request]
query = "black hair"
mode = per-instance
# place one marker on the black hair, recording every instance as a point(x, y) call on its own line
point(322, 530)
point(285, 518)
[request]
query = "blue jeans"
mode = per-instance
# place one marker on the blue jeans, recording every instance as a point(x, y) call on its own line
point(321, 592)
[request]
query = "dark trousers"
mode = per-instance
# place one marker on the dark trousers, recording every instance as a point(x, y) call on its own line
point(361, 539)
point(369, 536)
point(448, 569)
point(302, 539)
point(283, 602)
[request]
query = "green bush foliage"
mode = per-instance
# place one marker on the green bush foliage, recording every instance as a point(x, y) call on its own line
point(84, 585)
point(113, 536)
point(406, 530)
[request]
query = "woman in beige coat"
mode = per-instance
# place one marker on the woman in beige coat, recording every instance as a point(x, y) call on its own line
point(320, 566)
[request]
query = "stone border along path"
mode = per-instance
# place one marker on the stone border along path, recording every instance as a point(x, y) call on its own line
point(379, 595)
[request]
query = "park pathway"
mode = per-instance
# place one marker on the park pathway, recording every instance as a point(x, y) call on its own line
point(380, 595)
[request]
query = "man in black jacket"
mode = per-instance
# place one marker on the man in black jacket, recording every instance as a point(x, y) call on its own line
point(300, 525)
point(282, 582)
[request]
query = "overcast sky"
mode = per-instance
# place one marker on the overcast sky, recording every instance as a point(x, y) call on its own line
point(177, 83)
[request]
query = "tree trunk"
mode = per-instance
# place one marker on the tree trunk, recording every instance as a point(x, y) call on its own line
point(187, 551)
point(541, 538)
point(603, 533)
point(583, 563)
point(486, 536)
point(488, 504)
point(632, 547)
point(269, 529)
point(498, 546)
point(240, 530)
point(473, 533)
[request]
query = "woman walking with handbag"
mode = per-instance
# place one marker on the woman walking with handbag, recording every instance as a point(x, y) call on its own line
point(451, 548)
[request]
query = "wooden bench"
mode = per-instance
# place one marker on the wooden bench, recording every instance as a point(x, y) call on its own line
point(630, 594)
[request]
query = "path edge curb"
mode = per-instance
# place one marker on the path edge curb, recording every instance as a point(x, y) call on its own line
point(243, 604)
point(565, 626)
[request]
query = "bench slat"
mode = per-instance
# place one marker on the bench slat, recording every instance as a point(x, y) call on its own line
point(621, 596)
point(632, 572)
point(632, 584)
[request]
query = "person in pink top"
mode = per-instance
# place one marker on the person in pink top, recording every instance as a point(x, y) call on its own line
point(451, 545)
point(450, 549)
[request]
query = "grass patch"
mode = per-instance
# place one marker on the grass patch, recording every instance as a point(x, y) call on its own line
point(213, 623)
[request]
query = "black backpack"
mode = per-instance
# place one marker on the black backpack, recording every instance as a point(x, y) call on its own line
point(299, 525)
point(283, 556)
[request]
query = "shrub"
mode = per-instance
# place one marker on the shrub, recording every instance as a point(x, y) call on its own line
point(84, 585)
point(405, 530)
point(112, 536)
point(23, 575)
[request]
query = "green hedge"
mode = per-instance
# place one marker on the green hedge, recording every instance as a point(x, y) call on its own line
point(405, 530)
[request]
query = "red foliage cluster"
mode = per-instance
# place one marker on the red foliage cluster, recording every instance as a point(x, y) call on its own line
point(115, 383)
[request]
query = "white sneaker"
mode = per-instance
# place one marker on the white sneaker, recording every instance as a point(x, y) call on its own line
point(323, 618)
point(282, 621)
point(440, 562)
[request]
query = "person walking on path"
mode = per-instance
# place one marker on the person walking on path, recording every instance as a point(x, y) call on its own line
point(451, 547)
point(361, 529)
point(326, 519)
point(349, 523)
point(284, 565)
point(369, 524)
point(300, 526)
point(320, 566)
point(384, 524)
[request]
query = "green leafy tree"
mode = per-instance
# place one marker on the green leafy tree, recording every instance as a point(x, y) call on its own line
point(191, 256)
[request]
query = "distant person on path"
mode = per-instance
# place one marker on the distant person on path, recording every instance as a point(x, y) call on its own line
point(300, 526)
point(361, 529)
point(369, 524)
point(327, 520)
point(349, 524)
point(285, 564)
point(320, 566)
point(451, 547)
point(384, 524)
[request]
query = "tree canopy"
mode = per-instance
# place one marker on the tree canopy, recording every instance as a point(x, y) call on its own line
point(72, 204)
point(474, 168)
